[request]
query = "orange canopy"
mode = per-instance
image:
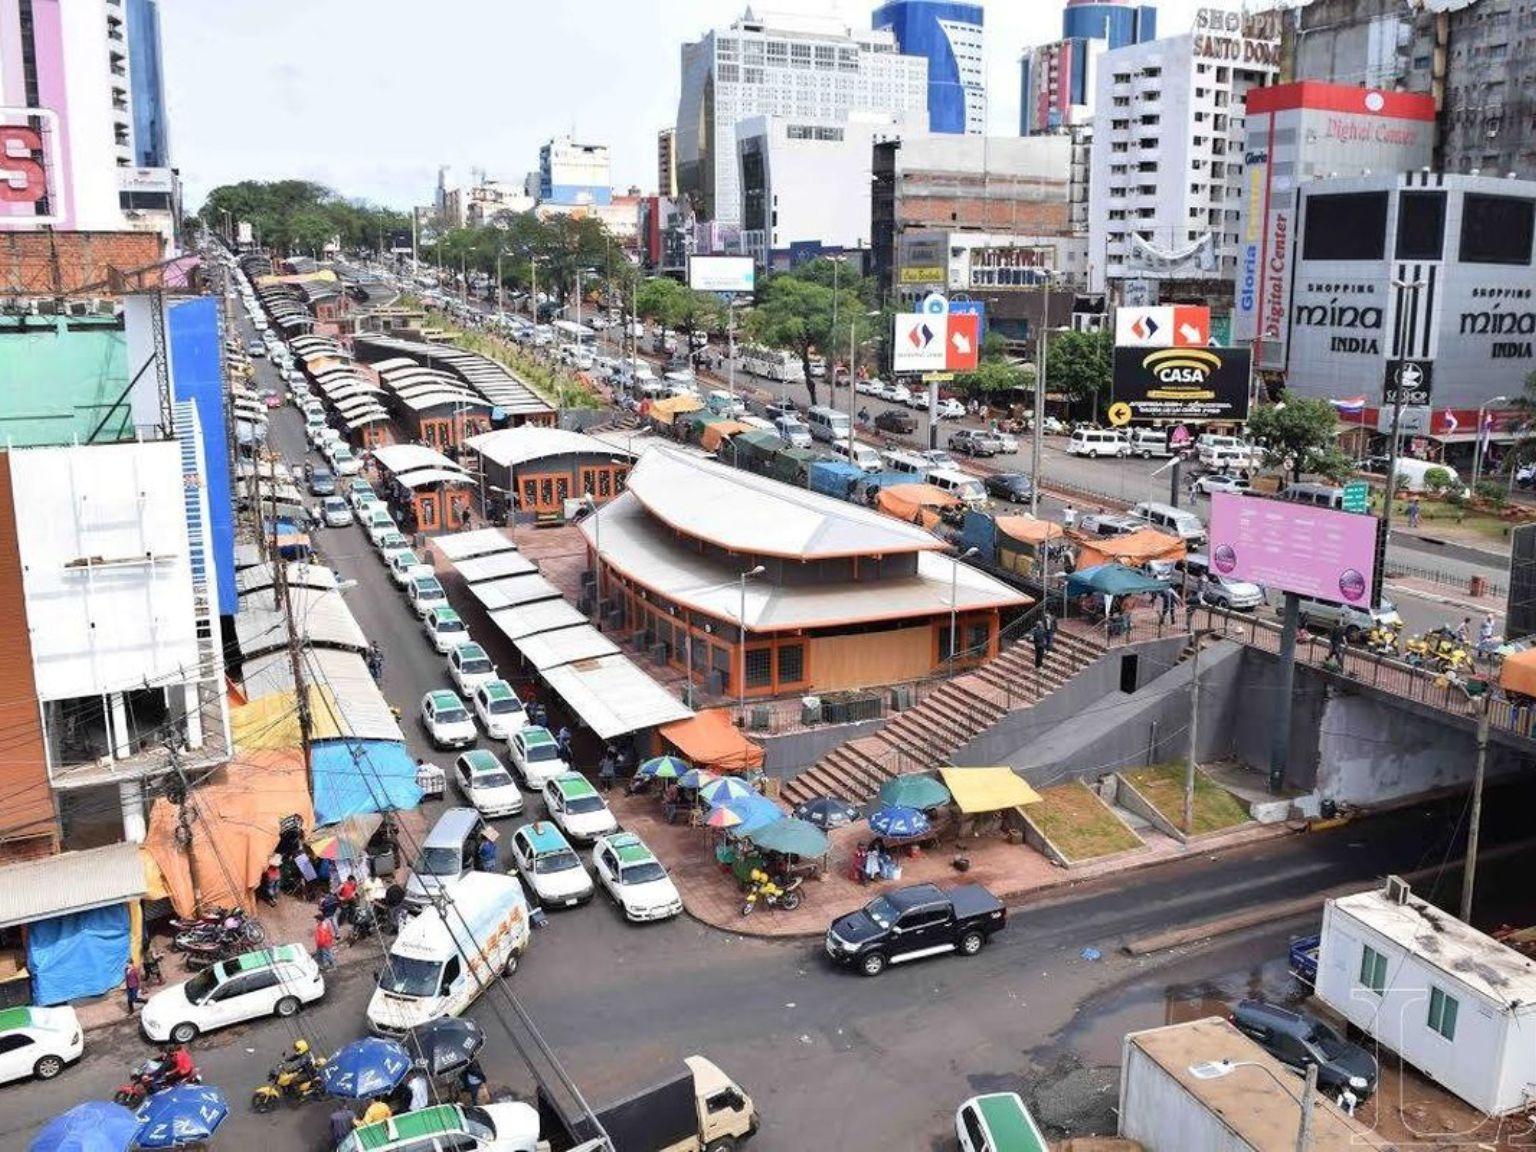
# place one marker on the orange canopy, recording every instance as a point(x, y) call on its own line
point(915, 503)
point(711, 740)
point(1028, 530)
point(234, 827)
point(1133, 549)
point(714, 433)
point(1518, 673)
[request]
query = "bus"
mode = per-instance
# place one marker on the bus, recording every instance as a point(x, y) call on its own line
point(771, 364)
point(569, 332)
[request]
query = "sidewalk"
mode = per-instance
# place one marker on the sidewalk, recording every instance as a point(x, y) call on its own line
point(1013, 872)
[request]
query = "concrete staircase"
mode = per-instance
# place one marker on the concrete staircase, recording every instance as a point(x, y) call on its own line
point(948, 717)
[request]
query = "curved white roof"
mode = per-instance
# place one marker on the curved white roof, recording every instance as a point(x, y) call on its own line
point(510, 447)
point(405, 457)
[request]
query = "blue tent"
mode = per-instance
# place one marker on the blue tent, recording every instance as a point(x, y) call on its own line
point(356, 776)
point(1112, 580)
point(81, 954)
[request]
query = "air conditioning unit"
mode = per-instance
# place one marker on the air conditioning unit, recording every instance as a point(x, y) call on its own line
point(1398, 890)
point(584, 605)
point(614, 618)
point(810, 710)
point(901, 697)
point(761, 718)
point(639, 638)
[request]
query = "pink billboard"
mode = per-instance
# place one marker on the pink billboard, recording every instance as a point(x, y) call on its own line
point(1294, 547)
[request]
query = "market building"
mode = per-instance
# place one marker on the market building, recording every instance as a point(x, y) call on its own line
point(832, 595)
point(545, 467)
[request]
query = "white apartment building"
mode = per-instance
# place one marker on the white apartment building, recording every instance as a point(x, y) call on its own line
point(806, 69)
point(1166, 183)
point(571, 173)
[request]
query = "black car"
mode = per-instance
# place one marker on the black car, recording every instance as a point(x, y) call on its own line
point(897, 421)
point(910, 923)
point(1013, 486)
point(1298, 1040)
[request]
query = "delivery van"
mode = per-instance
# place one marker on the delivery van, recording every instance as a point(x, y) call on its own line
point(446, 956)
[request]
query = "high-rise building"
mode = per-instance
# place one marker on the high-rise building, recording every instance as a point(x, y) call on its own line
point(666, 162)
point(1166, 181)
point(573, 174)
point(949, 36)
point(813, 68)
point(1056, 80)
point(82, 118)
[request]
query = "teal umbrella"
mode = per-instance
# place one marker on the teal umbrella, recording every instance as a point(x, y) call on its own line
point(663, 768)
point(913, 792)
point(791, 836)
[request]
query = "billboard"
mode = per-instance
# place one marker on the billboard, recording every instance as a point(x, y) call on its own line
point(1171, 326)
point(1179, 384)
point(400, 240)
point(1298, 548)
point(721, 273)
point(31, 188)
point(943, 342)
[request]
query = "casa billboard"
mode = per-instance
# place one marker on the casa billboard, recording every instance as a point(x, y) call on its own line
point(1316, 552)
point(1180, 384)
point(721, 273)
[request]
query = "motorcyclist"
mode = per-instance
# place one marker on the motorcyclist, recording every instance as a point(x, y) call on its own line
point(298, 1062)
point(175, 1067)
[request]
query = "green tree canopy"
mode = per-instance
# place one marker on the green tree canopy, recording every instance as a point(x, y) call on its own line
point(1081, 365)
point(1300, 435)
point(675, 306)
point(299, 216)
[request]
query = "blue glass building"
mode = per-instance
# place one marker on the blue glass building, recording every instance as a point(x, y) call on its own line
point(949, 36)
point(151, 138)
point(1117, 24)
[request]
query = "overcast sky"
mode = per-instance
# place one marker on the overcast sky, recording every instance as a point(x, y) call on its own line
point(370, 96)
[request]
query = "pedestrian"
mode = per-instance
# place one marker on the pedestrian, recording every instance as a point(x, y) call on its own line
point(416, 1087)
point(1413, 511)
point(131, 985)
point(1336, 641)
point(325, 942)
point(330, 904)
point(1191, 602)
point(1037, 638)
point(608, 768)
point(487, 856)
point(563, 743)
point(1464, 630)
point(472, 1077)
point(342, 1123)
point(538, 715)
point(1485, 643)
point(1069, 517)
point(1050, 629)
point(377, 1112)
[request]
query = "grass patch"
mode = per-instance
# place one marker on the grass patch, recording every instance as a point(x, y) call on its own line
point(554, 384)
point(1438, 512)
point(1077, 822)
point(1163, 787)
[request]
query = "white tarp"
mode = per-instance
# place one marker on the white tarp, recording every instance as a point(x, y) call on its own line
point(546, 650)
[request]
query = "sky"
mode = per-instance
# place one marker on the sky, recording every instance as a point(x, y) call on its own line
point(370, 96)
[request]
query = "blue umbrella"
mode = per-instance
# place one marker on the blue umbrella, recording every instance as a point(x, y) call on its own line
point(755, 812)
point(366, 1068)
point(696, 778)
point(95, 1126)
point(726, 788)
point(898, 822)
point(185, 1114)
point(663, 767)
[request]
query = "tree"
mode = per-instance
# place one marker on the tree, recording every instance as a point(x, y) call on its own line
point(299, 215)
point(1081, 366)
point(1301, 435)
point(997, 374)
point(674, 306)
point(795, 314)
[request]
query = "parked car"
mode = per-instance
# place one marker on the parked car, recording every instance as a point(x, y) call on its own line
point(485, 783)
point(869, 387)
point(508, 1127)
point(391, 542)
point(445, 629)
point(1323, 615)
point(1219, 482)
point(1299, 1040)
point(1109, 524)
point(38, 1042)
point(405, 567)
point(635, 878)
point(1096, 442)
point(1007, 443)
point(796, 433)
point(335, 513)
point(424, 593)
point(974, 442)
point(470, 666)
point(447, 722)
point(913, 922)
point(951, 409)
point(535, 756)
point(896, 421)
point(378, 523)
point(896, 393)
point(578, 809)
point(500, 711)
point(997, 1122)
point(549, 866)
point(1223, 591)
point(271, 982)
point(322, 483)
point(1014, 486)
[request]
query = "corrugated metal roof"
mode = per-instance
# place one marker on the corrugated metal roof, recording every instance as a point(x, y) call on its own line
point(510, 447)
point(495, 566)
point(613, 696)
point(546, 650)
point(361, 709)
point(511, 591)
point(754, 515)
point(541, 616)
point(400, 458)
point(321, 618)
point(262, 575)
point(70, 882)
point(481, 542)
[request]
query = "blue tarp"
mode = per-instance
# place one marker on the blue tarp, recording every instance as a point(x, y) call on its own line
point(355, 776)
point(78, 955)
point(1112, 580)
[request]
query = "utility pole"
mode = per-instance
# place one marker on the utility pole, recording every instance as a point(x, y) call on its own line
point(284, 596)
point(1037, 437)
point(1469, 867)
point(1308, 1104)
point(1194, 735)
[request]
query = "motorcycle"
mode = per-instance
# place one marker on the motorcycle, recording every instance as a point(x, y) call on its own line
point(147, 1077)
point(150, 965)
point(202, 956)
point(772, 894)
point(208, 919)
point(235, 929)
point(293, 1085)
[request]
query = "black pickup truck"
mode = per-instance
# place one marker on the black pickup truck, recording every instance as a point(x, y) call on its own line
point(910, 923)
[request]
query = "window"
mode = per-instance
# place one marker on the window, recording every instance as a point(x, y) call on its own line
point(791, 663)
point(973, 1129)
point(1497, 229)
point(1420, 225)
point(13, 1042)
point(760, 667)
point(1442, 1013)
point(1373, 969)
point(1347, 226)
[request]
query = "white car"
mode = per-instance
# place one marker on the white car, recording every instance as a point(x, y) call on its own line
point(359, 492)
point(345, 461)
point(1237, 595)
point(445, 630)
point(272, 982)
point(39, 1042)
point(535, 755)
point(634, 878)
point(335, 513)
point(391, 542)
point(486, 784)
point(378, 523)
point(1008, 440)
point(1219, 482)
point(469, 666)
point(869, 387)
point(447, 721)
point(578, 809)
point(424, 594)
point(951, 409)
point(501, 713)
point(549, 866)
point(405, 567)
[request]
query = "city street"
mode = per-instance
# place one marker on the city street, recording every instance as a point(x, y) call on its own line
point(833, 1060)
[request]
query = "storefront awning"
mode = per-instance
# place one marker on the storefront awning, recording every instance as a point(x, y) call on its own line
point(613, 696)
point(546, 650)
point(70, 882)
point(987, 789)
point(543, 616)
point(710, 740)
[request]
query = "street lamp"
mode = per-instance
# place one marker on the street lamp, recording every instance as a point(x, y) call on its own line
point(1477, 445)
point(533, 288)
point(579, 271)
point(954, 603)
point(742, 687)
point(1037, 438)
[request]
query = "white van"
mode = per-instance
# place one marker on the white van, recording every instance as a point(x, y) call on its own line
point(910, 463)
point(448, 855)
point(1224, 451)
point(1148, 442)
point(1413, 472)
point(859, 455)
point(792, 431)
point(829, 424)
point(444, 958)
point(967, 489)
point(1166, 518)
point(1095, 442)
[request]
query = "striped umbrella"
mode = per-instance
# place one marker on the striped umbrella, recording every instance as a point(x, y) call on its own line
point(663, 768)
point(726, 788)
point(722, 817)
point(696, 778)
